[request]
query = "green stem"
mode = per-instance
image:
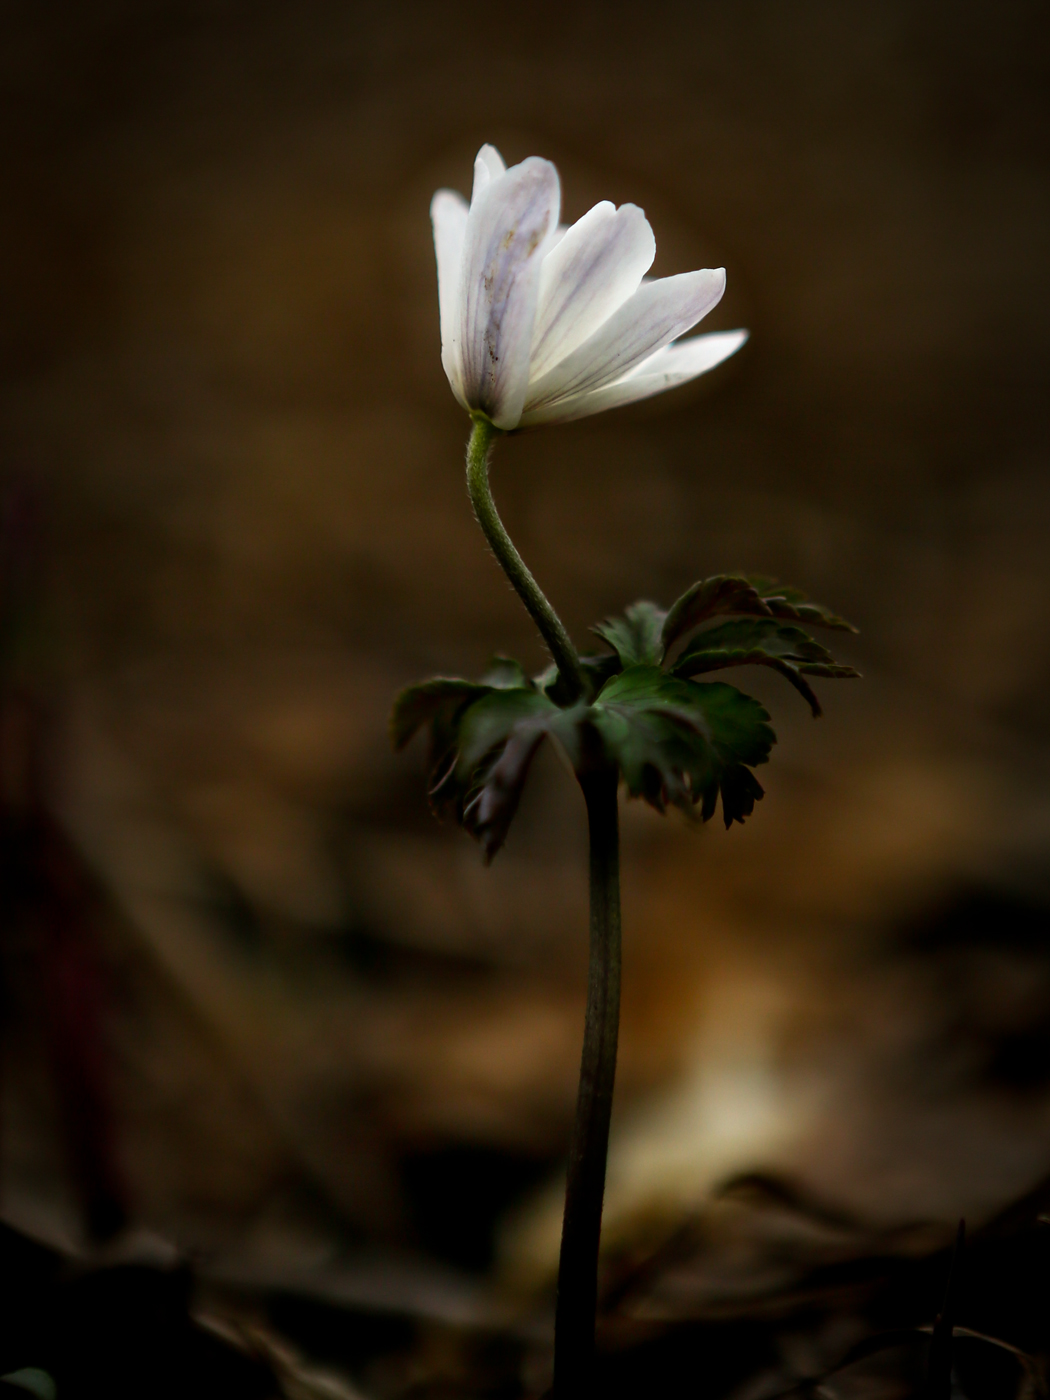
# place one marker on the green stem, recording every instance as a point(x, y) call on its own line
point(585, 1188)
point(528, 590)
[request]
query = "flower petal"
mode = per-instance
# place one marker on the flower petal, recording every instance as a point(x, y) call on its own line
point(594, 268)
point(448, 214)
point(657, 313)
point(673, 365)
point(506, 238)
point(488, 165)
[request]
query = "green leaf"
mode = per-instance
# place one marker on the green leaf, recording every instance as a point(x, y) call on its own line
point(430, 701)
point(497, 738)
point(490, 807)
point(762, 642)
point(490, 721)
point(505, 673)
point(676, 740)
point(729, 594)
point(791, 603)
point(33, 1381)
point(710, 597)
point(637, 636)
point(681, 742)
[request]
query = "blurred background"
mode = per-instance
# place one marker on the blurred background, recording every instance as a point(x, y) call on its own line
point(263, 1013)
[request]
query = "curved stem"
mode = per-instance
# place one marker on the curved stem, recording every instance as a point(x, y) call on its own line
point(528, 590)
point(585, 1189)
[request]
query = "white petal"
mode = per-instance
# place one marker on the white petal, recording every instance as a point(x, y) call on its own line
point(657, 313)
point(594, 268)
point(448, 214)
point(506, 239)
point(673, 365)
point(685, 359)
point(488, 165)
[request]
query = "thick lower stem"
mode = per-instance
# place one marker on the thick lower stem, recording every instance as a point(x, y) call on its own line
point(581, 1229)
point(528, 590)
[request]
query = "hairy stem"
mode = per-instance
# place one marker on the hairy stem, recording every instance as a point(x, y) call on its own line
point(528, 590)
point(585, 1189)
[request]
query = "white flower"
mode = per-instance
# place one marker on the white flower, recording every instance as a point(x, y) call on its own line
point(540, 323)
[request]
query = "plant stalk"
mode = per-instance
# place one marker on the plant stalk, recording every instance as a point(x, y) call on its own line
point(581, 1228)
point(528, 590)
point(585, 1188)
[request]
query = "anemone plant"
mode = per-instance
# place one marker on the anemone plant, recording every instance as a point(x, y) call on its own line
point(541, 324)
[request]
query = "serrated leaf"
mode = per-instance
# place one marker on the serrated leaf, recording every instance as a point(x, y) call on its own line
point(729, 594)
point(427, 702)
point(678, 741)
point(791, 603)
point(710, 597)
point(497, 738)
point(740, 791)
point(489, 811)
point(636, 637)
point(762, 642)
point(505, 673)
point(491, 720)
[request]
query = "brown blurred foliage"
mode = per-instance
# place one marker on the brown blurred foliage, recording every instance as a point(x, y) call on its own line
point(323, 1020)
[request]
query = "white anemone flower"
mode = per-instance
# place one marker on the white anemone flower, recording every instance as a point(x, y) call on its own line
point(542, 324)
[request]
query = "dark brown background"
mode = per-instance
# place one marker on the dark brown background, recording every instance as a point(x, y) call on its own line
point(327, 1025)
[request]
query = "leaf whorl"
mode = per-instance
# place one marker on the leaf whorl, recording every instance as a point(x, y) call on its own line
point(676, 740)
